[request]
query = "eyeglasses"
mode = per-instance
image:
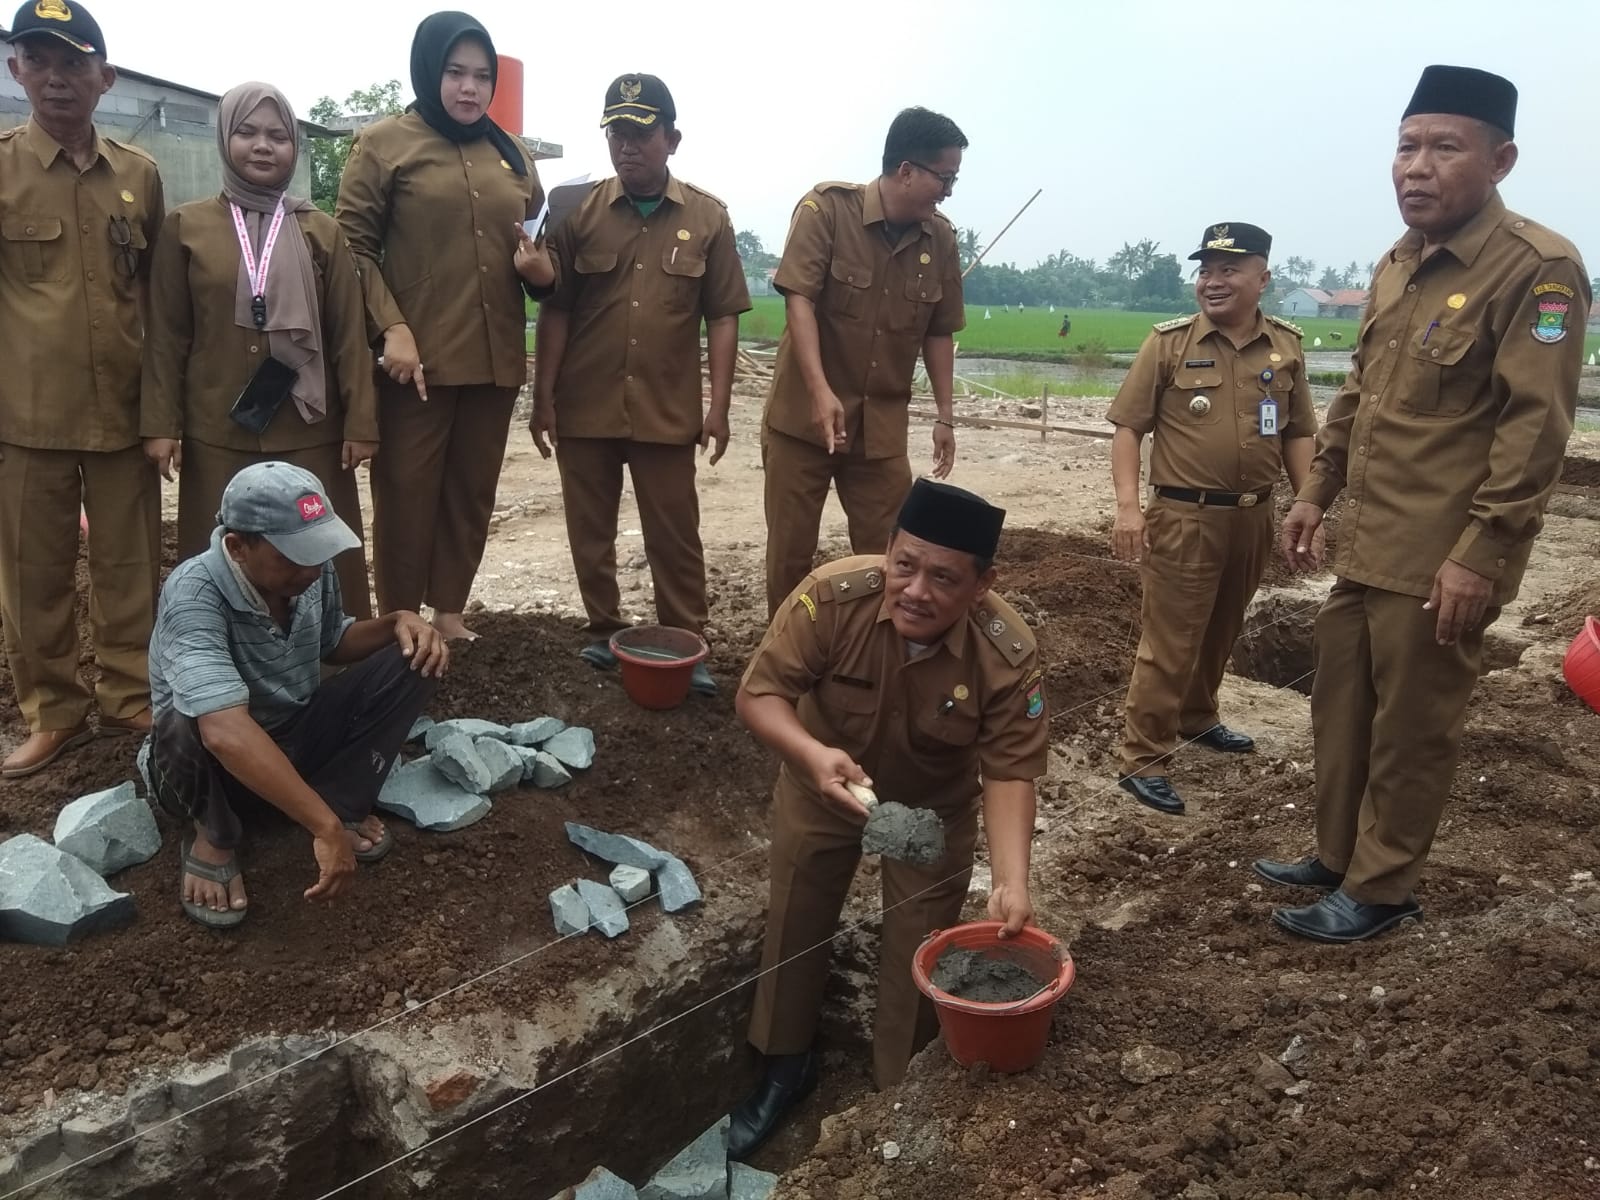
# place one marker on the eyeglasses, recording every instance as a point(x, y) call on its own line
point(948, 178)
point(127, 259)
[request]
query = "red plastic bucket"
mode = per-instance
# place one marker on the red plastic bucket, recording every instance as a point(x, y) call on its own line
point(1581, 667)
point(1009, 1037)
point(657, 661)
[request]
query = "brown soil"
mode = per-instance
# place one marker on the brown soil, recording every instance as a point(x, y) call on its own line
point(1581, 472)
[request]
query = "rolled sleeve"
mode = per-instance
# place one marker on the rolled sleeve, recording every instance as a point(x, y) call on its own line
point(1012, 744)
point(808, 249)
point(191, 638)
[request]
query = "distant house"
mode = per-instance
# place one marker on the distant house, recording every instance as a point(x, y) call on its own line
point(1304, 302)
point(759, 281)
point(1346, 303)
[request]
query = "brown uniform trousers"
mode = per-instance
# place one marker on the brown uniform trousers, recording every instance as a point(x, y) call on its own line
point(633, 291)
point(876, 303)
point(1202, 570)
point(795, 490)
point(433, 488)
point(433, 225)
point(1446, 440)
point(74, 255)
point(1200, 395)
point(925, 730)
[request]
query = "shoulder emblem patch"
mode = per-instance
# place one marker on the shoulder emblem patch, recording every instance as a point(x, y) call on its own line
point(1554, 299)
point(1289, 325)
point(808, 202)
point(1033, 693)
point(811, 606)
point(1175, 323)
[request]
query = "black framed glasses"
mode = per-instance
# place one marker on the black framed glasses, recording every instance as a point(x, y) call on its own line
point(948, 178)
point(127, 258)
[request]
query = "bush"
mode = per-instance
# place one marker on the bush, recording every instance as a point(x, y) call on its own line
point(1092, 354)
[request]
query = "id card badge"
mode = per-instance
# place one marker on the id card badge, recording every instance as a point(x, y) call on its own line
point(1269, 418)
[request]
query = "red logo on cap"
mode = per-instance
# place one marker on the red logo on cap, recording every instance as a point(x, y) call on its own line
point(311, 507)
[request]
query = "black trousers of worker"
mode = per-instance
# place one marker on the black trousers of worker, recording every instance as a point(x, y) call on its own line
point(343, 743)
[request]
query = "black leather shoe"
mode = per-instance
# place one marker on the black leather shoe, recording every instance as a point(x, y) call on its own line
point(1338, 918)
point(1308, 872)
point(1153, 791)
point(789, 1079)
point(1220, 737)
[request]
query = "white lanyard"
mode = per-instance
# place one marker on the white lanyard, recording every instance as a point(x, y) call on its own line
point(258, 278)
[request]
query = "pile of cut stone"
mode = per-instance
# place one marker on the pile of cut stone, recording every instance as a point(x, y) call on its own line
point(53, 894)
point(701, 1171)
point(469, 759)
point(638, 869)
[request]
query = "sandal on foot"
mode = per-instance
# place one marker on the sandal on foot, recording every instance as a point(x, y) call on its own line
point(380, 846)
point(223, 873)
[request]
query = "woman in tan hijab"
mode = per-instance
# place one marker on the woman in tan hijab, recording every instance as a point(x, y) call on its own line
point(256, 344)
point(433, 202)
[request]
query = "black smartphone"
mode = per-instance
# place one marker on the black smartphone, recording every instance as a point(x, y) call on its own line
point(258, 403)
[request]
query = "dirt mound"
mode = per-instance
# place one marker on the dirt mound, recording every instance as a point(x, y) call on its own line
point(1580, 472)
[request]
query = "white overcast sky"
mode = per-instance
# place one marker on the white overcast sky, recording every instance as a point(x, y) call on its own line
point(1144, 118)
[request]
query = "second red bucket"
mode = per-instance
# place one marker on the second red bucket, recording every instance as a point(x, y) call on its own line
point(1009, 1037)
point(657, 661)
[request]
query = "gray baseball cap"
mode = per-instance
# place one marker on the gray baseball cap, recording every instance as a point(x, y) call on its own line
point(288, 507)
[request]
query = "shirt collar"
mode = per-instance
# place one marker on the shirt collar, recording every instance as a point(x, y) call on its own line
point(230, 579)
point(954, 639)
point(1204, 327)
point(614, 191)
point(1466, 243)
point(48, 149)
point(872, 207)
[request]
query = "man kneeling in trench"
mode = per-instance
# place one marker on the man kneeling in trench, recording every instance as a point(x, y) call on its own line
point(241, 714)
point(902, 672)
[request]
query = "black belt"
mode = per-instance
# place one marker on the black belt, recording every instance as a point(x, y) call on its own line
point(1223, 499)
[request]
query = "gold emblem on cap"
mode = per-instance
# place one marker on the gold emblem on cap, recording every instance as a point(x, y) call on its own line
point(1219, 238)
point(684, 235)
point(1200, 406)
point(630, 89)
point(1457, 300)
point(1275, 357)
point(926, 259)
point(961, 692)
point(127, 196)
point(52, 10)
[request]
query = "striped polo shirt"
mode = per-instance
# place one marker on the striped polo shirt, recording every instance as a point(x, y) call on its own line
point(215, 645)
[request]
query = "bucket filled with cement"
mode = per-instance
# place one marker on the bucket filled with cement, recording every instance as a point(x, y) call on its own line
point(995, 999)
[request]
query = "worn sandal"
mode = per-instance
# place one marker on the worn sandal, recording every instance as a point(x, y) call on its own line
point(380, 847)
point(222, 873)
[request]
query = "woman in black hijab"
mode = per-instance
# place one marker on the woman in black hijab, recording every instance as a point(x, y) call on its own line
point(433, 202)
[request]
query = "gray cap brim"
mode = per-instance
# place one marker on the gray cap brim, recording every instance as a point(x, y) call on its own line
point(316, 544)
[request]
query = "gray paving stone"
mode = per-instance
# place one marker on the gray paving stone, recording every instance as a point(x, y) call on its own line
point(109, 830)
point(573, 746)
point(747, 1183)
point(603, 1185)
point(505, 764)
point(83, 1136)
point(676, 883)
point(255, 1057)
point(570, 913)
point(699, 1172)
point(49, 898)
point(193, 1086)
point(149, 1105)
point(457, 758)
point(39, 1149)
point(534, 733)
point(470, 726)
point(420, 727)
point(615, 848)
point(631, 883)
point(423, 796)
point(545, 772)
point(606, 912)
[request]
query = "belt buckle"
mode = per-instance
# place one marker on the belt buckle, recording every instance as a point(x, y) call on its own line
point(1248, 500)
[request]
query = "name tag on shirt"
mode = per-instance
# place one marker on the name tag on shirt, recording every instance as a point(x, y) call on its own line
point(1269, 418)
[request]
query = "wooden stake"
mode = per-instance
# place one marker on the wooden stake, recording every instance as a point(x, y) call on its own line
point(1001, 234)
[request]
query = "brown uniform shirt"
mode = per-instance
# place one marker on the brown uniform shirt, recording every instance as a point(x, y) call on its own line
point(434, 227)
point(1221, 449)
point(1448, 435)
point(875, 305)
point(921, 727)
point(69, 306)
point(197, 358)
point(637, 289)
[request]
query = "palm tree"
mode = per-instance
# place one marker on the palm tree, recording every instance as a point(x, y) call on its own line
point(968, 245)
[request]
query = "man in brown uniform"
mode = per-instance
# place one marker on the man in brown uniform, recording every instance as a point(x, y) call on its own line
point(78, 216)
point(1447, 439)
point(1225, 394)
point(617, 375)
point(870, 276)
point(904, 667)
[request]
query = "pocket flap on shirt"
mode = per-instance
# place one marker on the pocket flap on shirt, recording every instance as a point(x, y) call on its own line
point(683, 263)
point(925, 290)
point(1444, 347)
point(593, 262)
point(30, 229)
point(851, 273)
point(1192, 378)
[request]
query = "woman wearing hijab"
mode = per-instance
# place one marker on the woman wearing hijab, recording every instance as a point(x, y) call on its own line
point(433, 202)
point(256, 345)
